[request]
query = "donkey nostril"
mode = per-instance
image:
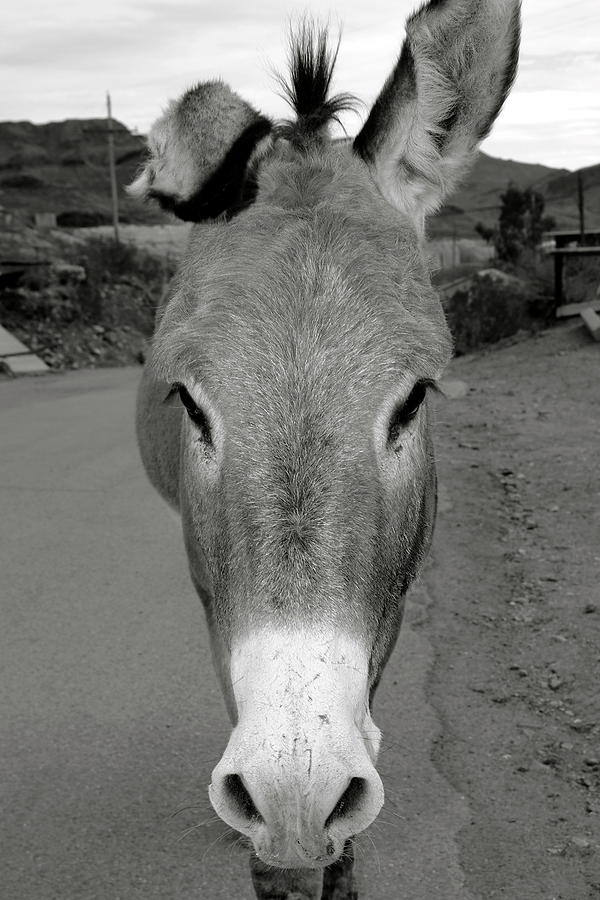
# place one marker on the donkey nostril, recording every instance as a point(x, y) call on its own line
point(240, 798)
point(349, 802)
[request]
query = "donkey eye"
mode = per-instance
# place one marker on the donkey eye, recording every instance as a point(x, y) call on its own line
point(406, 412)
point(197, 415)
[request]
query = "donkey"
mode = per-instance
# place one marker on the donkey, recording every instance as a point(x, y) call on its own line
point(283, 411)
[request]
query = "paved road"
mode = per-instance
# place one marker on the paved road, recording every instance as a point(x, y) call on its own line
point(111, 718)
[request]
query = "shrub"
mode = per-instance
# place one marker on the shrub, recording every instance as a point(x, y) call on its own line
point(490, 309)
point(22, 181)
point(123, 285)
point(581, 278)
point(75, 218)
point(521, 223)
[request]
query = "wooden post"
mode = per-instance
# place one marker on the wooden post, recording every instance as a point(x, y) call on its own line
point(581, 209)
point(113, 173)
point(558, 278)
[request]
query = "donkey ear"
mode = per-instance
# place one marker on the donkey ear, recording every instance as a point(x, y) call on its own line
point(455, 70)
point(201, 154)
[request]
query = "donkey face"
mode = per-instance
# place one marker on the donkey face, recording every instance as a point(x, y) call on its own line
point(308, 488)
point(301, 338)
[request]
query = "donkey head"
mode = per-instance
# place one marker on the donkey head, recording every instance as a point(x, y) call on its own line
point(301, 338)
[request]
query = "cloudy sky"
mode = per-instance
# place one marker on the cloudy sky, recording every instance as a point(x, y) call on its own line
point(58, 59)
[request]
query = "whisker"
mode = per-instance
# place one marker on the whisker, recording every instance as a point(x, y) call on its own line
point(392, 812)
point(359, 853)
point(189, 830)
point(213, 844)
point(367, 835)
point(179, 811)
point(387, 824)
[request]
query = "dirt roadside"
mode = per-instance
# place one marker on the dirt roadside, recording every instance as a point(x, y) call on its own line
point(515, 622)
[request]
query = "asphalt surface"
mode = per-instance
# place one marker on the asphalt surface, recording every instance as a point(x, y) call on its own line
point(110, 714)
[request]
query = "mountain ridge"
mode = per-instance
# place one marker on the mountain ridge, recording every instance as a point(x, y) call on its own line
point(62, 168)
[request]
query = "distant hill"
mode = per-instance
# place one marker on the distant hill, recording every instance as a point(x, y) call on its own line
point(62, 167)
point(561, 194)
point(478, 199)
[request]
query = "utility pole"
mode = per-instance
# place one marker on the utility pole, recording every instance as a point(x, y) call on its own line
point(581, 208)
point(113, 172)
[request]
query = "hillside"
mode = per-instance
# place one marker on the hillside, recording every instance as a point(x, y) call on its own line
point(62, 167)
point(561, 191)
point(479, 196)
point(478, 199)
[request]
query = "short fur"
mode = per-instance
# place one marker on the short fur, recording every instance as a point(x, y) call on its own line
point(455, 70)
point(299, 325)
point(201, 154)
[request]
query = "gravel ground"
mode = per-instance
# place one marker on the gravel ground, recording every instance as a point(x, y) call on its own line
point(515, 622)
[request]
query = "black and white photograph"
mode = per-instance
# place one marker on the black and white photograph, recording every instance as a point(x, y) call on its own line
point(300, 450)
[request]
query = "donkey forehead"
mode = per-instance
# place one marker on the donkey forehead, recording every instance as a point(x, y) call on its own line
point(317, 295)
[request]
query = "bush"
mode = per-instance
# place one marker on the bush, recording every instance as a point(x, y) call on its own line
point(106, 284)
point(48, 305)
point(581, 278)
point(75, 218)
point(22, 181)
point(521, 223)
point(490, 309)
point(123, 285)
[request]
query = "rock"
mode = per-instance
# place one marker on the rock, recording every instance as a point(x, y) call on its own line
point(581, 843)
point(500, 277)
point(454, 389)
point(582, 727)
point(69, 272)
point(99, 329)
point(554, 681)
point(538, 766)
point(590, 608)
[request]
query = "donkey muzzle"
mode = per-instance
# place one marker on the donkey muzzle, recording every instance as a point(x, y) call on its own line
point(298, 774)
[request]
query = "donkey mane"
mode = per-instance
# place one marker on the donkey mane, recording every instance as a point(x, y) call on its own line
point(311, 62)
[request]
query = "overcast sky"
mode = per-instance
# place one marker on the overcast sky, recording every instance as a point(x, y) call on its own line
point(58, 59)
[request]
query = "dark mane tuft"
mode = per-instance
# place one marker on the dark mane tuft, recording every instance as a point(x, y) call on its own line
point(311, 65)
